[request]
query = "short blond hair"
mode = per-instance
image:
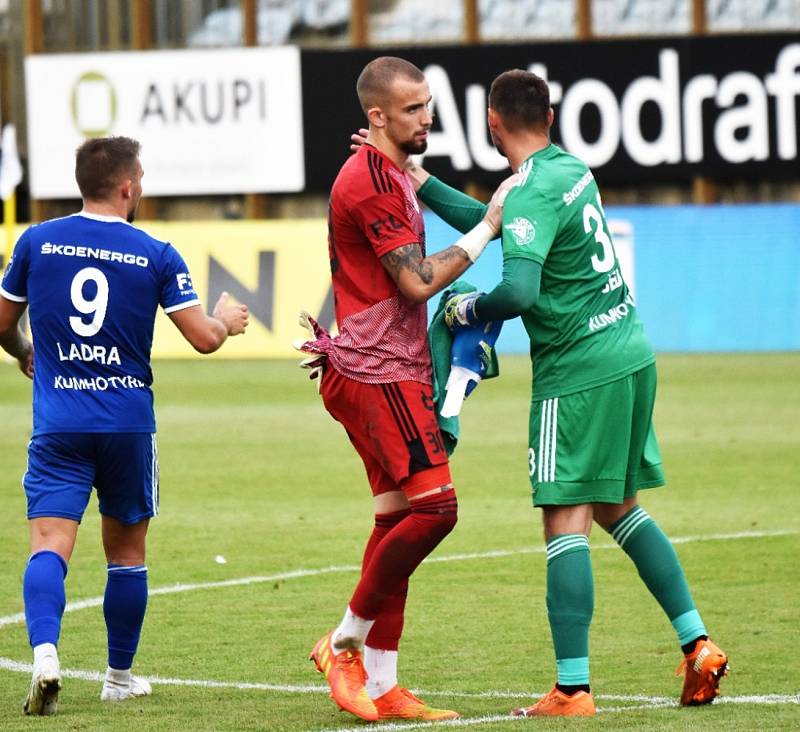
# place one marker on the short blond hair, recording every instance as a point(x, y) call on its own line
point(376, 79)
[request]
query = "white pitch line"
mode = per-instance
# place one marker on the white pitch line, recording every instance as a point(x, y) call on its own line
point(181, 587)
point(651, 702)
point(760, 699)
point(20, 667)
point(10, 665)
point(656, 703)
point(335, 569)
point(461, 722)
point(646, 702)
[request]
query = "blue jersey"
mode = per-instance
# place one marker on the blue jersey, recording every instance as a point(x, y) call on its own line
point(93, 285)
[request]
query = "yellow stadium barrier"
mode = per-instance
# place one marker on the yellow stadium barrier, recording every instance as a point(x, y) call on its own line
point(276, 267)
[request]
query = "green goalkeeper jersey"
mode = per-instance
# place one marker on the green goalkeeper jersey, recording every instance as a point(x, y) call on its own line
point(584, 327)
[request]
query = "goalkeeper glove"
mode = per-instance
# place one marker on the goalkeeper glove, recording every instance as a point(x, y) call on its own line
point(459, 311)
point(472, 348)
point(470, 358)
point(315, 346)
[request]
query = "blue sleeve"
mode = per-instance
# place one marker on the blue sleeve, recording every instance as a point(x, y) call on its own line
point(15, 278)
point(176, 288)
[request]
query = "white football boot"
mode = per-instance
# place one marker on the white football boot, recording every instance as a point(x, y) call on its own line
point(45, 684)
point(121, 685)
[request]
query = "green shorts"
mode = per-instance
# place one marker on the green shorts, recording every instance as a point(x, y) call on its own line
point(595, 446)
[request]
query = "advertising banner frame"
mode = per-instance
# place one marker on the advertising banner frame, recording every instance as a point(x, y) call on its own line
point(217, 121)
point(638, 111)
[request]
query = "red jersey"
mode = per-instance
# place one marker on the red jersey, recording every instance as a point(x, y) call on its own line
point(382, 335)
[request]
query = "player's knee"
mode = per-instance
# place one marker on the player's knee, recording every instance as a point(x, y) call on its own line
point(439, 513)
point(448, 521)
point(439, 525)
point(125, 554)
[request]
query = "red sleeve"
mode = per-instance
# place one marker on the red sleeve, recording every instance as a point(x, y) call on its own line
point(383, 220)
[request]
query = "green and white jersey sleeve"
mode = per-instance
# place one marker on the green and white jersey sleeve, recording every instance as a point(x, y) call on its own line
point(584, 327)
point(530, 224)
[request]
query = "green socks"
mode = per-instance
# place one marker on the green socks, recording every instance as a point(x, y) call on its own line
point(570, 603)
point(570, 589)
point(659, 567)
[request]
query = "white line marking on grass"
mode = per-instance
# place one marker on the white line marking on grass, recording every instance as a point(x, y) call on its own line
point(17, 666)
point(655, 702)
point(9, 665)
point(493, 694)
point(461, 722)
point(594, 547)
point(651, 702)
point(760, 699)
point(20, 667)
point(181, 587)
point(336, 569)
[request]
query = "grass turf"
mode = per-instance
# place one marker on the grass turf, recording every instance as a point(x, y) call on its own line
point(253, 469)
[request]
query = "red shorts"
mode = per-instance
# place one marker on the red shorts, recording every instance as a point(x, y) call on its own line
point(393, 428)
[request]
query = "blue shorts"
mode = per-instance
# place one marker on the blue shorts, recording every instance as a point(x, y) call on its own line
point(62, 468)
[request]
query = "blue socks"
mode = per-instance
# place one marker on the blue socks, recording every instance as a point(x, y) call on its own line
point(44, 595)
point(124, 605)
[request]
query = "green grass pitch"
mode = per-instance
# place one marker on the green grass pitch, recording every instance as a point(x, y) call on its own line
point(254, 470)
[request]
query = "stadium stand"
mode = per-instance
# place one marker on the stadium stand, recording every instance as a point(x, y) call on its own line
point(71, 26)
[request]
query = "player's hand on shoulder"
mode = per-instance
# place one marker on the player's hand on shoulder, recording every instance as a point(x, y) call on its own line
point(235, 317)
point(357, 139)
point(494, 214)
point(416, 173)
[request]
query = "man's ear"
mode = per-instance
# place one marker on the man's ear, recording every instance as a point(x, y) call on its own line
point(126, 188)
point(492, 118)
point(376, 117)
point(551, 115)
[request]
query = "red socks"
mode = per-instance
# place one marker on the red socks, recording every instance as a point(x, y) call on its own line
point(398, 544)
point(388, 628)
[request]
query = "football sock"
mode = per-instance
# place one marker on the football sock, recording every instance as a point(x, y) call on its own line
point(124, 606)
point(385, 634)
point(381, 668)
point(574, 689)
point(689, 647)
point(351, 632)
point(570, 604)
point(658, 565)
point(44, 596)
point(118, 677)
point(42, 651)
point(401, 551)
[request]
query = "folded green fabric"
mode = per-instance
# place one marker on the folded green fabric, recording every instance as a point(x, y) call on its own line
point(440, 339)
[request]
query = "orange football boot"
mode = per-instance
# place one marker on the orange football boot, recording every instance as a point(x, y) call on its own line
point(704, 668)
point(345, 674)
point(558, 704)
point(400, 703)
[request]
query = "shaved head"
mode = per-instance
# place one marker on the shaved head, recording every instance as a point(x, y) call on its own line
point(375, 81)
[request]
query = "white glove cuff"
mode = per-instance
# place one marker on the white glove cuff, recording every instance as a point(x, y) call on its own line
point(475, 240)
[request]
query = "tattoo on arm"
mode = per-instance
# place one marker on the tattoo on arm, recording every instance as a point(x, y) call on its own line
point(451, 253)
point(410, 257)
